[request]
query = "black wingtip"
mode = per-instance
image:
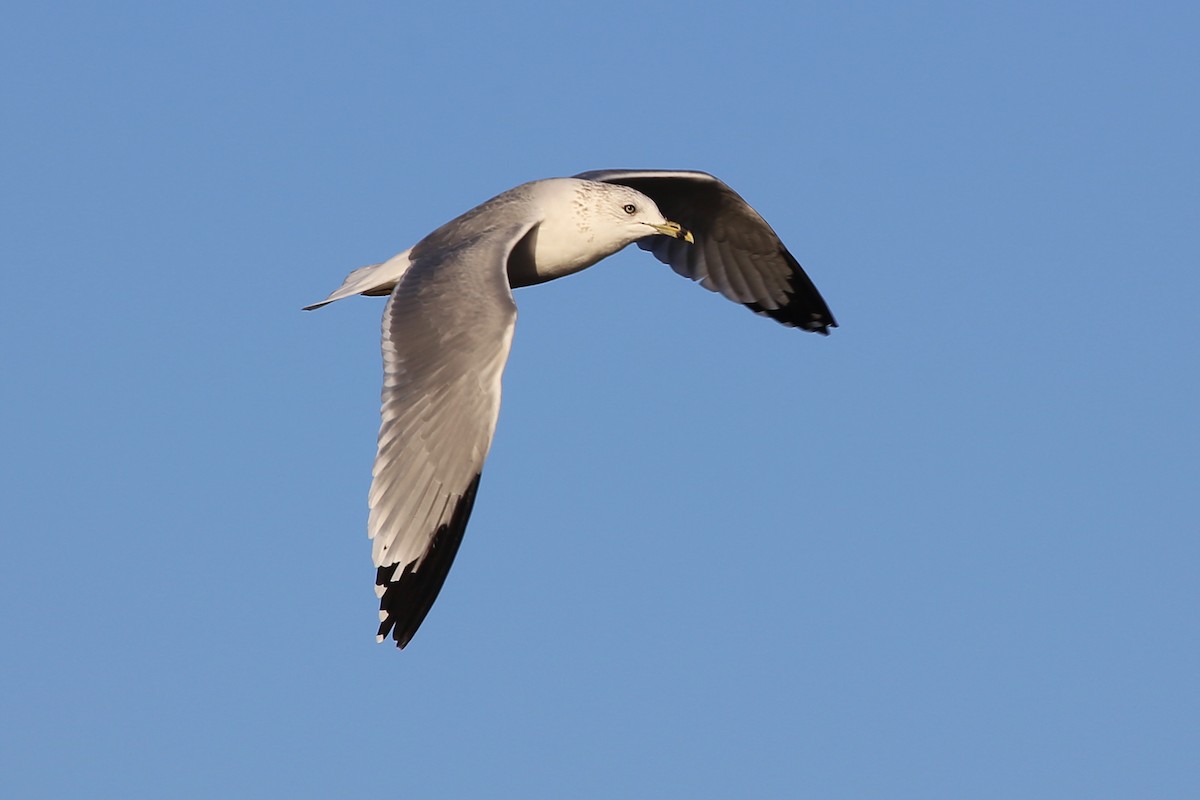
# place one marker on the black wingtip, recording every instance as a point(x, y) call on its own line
point(806, 311)
point(407, 599)
point(805, 308)
point(793, 318)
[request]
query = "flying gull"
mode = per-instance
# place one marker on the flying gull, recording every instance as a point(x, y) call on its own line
point(449, 321)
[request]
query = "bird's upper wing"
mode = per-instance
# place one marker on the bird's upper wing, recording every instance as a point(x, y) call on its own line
point(735, 253)
point(447, 328)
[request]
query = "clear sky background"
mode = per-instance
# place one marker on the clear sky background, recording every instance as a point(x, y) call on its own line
point(949, 551)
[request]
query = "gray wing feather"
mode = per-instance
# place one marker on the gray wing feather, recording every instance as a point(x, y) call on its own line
point(736, 253)
point(447, 329)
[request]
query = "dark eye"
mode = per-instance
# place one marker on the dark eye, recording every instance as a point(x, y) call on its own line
point(629, 208)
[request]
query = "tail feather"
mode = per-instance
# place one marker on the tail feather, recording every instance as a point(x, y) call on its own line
point(373, 279)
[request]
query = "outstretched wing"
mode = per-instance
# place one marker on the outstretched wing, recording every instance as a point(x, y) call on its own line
point(735, 253)
point(447, 328)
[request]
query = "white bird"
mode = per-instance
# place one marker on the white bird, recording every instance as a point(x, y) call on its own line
point(449, 321)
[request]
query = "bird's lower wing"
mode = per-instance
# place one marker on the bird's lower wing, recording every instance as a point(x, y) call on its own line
point(447, 328)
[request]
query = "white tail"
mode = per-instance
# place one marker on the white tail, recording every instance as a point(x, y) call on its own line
point(372, 279)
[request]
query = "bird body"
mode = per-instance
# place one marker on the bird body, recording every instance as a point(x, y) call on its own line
point(449, 320)
point(561, 245)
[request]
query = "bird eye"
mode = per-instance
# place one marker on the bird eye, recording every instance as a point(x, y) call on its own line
point(629, 208)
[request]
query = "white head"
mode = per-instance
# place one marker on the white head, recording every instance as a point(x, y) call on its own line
point(621, 208)
point(584, 221)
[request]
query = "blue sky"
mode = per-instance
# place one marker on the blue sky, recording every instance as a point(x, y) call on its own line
point(949, 551)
